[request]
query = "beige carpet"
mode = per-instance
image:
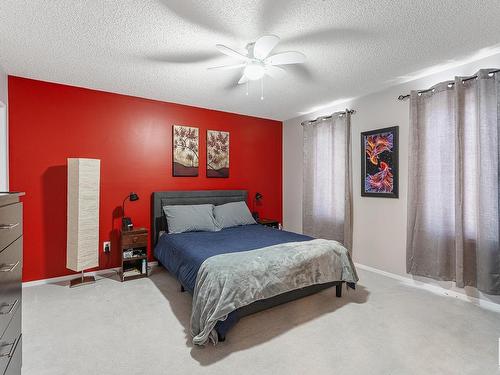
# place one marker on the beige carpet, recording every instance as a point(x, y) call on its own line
point(141, 327)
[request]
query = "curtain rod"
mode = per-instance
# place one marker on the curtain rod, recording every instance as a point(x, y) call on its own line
point(321, 118)
point(451, 84)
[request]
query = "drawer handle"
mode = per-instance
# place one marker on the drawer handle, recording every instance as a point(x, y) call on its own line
point(8, 226)
point(9, 354)
point(12, 306)
point(9, 267)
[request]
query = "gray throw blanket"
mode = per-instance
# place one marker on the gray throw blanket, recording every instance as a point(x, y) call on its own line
point(227, 282)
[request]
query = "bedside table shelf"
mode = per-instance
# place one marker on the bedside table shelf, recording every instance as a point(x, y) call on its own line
point(135, 258)
point(269, 223)
point(134, 241)
point(132, 275)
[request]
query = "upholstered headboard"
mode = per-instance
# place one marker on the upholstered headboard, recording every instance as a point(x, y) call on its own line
point(163, 198)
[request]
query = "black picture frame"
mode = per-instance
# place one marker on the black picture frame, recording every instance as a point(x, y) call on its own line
point(212, 140)
point(388, 157)
point(178, 169)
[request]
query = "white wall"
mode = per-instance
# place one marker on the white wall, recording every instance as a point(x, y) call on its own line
point(379, 223)
point(4, 175)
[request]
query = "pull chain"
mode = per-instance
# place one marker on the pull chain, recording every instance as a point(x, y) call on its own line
point(262, 88)
point(247, 88)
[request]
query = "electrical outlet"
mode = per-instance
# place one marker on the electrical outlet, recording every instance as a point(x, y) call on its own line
point(106, 246)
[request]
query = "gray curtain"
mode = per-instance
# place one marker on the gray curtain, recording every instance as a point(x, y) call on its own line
point(327, 200)
point(453, 197)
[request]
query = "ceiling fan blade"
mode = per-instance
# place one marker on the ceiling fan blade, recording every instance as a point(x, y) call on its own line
point(243, 80)
point(284, 58)
point(275, 71)
point(226, 67)
point(231, 52)
point(264, 45)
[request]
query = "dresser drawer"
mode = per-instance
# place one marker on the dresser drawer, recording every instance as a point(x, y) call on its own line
point(135, 240)
point(11, 223)
point(10, 341)
point(10, 282)
point(14, 366)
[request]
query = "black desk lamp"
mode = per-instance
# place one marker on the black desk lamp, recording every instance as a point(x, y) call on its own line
point(126, 221)
point(258, 197)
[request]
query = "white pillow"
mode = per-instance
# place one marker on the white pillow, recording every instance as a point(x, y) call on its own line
point(233, 214)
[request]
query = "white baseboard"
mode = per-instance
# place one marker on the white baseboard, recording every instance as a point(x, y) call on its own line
point(436, 289)
point(60, 279)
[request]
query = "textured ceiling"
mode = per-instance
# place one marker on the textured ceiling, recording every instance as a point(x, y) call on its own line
point(161, 49)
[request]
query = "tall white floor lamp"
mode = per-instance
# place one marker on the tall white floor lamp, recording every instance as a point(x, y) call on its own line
point(82, 250)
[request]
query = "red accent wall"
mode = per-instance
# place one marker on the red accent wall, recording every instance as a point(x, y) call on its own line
point(133, 139)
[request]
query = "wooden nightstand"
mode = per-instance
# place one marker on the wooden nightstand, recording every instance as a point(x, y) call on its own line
point(269, 223)
point(134, 245)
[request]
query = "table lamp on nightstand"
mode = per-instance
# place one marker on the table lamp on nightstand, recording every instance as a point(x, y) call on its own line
point(258, 197)
point(126, 221)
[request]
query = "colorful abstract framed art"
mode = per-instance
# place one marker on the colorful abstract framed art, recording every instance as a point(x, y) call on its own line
point(379, 163)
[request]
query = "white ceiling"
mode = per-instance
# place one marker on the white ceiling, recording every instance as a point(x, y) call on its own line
point(161, 49)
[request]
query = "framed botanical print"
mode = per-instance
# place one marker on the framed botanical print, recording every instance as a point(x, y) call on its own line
point(217, 153)
point(185, 145)
point(379, 163)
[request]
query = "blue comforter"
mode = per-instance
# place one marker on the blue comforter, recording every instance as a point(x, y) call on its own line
point(182, 254)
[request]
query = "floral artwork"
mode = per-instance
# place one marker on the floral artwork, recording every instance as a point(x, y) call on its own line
point(217, 153)
point(379, 163)
point(185, 151)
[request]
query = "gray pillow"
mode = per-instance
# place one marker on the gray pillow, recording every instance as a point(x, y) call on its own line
point(233, 214)
point(191, 218)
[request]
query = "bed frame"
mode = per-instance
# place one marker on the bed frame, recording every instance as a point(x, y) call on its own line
point(217, 197)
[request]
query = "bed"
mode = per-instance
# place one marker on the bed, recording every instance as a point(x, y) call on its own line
point(183, 254)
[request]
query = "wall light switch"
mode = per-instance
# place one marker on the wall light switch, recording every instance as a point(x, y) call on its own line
point(106, 246)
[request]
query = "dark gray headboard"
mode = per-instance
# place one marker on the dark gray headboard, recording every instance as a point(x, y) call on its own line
point(163, 198)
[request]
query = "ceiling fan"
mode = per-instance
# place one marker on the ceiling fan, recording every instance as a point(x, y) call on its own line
point(257, 62)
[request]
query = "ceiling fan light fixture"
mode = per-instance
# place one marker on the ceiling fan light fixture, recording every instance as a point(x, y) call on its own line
point(257, 61)
point(254, 71)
